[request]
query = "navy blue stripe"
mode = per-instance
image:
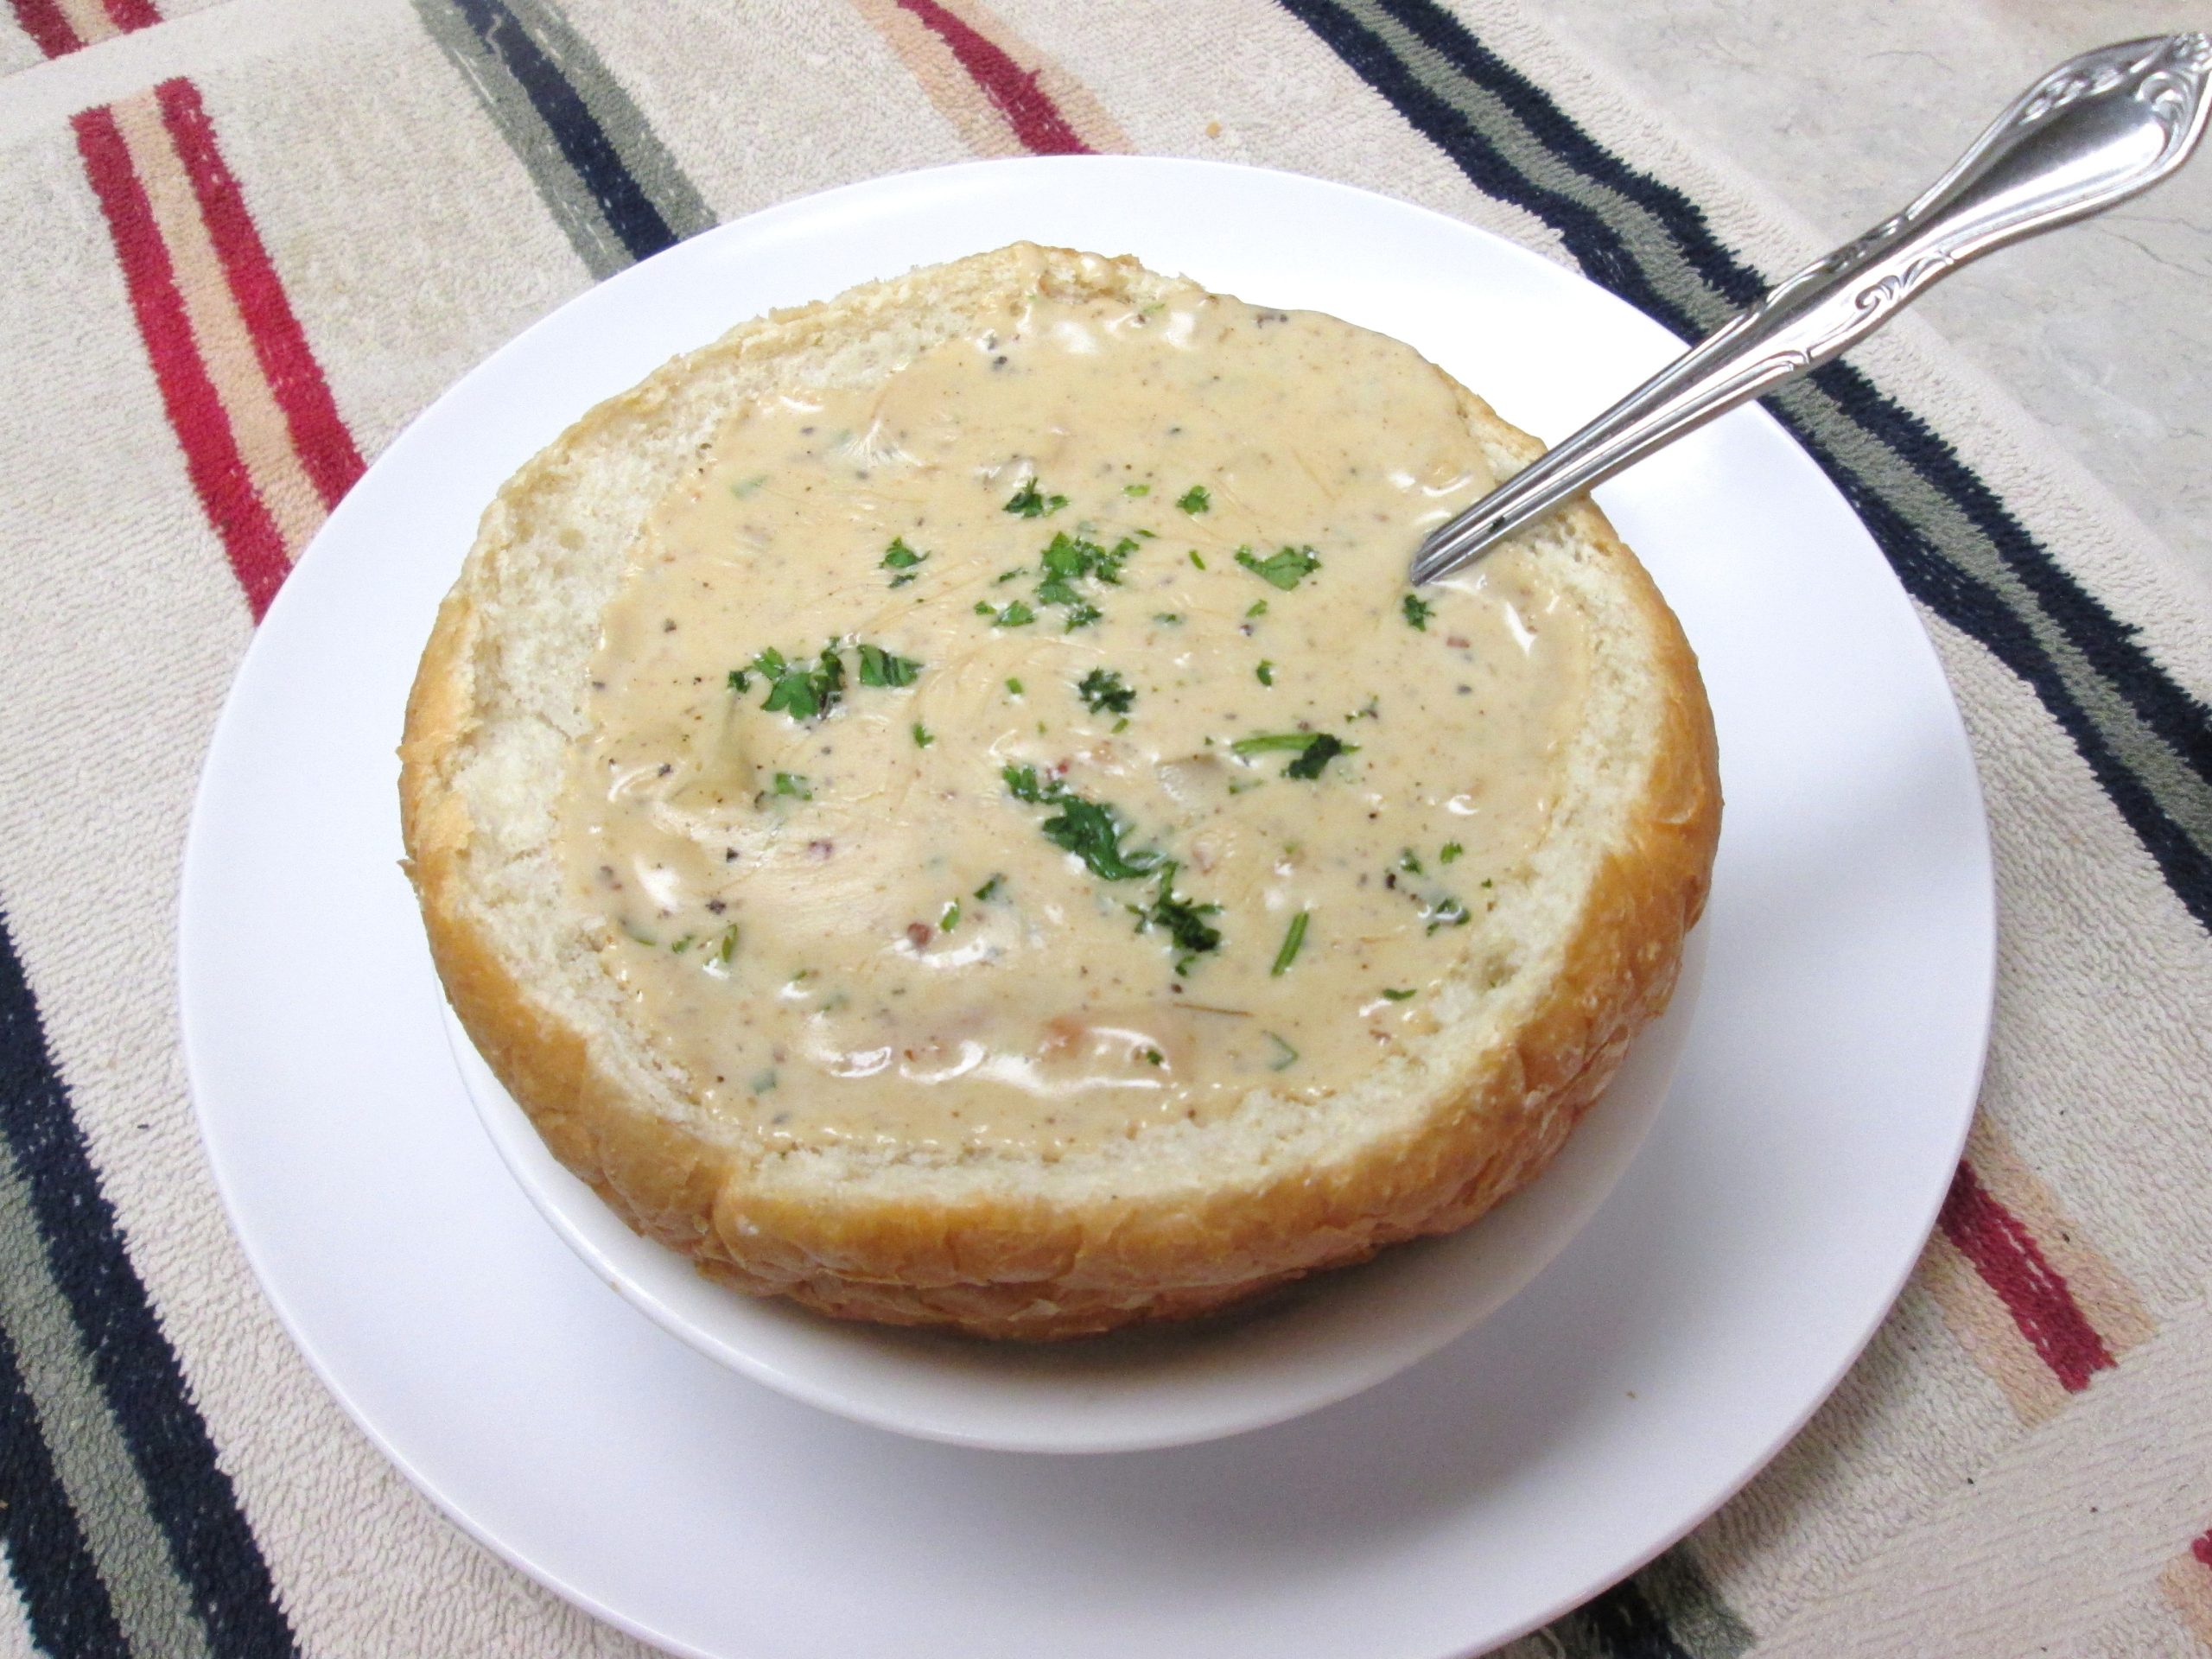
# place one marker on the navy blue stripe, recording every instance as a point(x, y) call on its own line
point(64, 1601)
point(212, 1549)
point(584, 143)
point(1621, 1624)
point(2110, 646)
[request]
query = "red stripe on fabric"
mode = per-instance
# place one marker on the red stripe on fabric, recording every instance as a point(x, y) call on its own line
point(1028, 108)
point(49, 30)
point(196, 410)
point(2007, 1257)
point(2202, 1548)
point(326, 448)
point(127, 15)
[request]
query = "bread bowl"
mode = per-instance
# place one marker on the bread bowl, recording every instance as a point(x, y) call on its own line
point(697, 649)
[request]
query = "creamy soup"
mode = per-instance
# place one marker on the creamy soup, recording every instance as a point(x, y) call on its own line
point(1045, 744)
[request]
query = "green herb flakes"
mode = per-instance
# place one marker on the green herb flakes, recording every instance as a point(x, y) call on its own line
point(1196, 560)
point(1196, 500)
point(1015, 615)
point(1103, 690)
point(1133, 490)
point(1264, 673)
point(1314, 750)
point(1284, 570)
point(922, 737)
point(881, 667)
point(1087, 828)
point(989, 890)
point(790, 784)
point(798, 690)
point(1030, 502)
point(951, 917)
point(1452, 850)
point(1445, 911)
point(1418, 611)
point(902, 558)
point(1293, 940)
point(1399, 996)
point(1286, 1056)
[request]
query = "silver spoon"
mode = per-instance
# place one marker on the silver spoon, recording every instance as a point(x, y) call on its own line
point(2093, 132)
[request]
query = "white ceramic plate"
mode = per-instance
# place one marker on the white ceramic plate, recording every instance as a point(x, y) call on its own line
point(1690, 1328)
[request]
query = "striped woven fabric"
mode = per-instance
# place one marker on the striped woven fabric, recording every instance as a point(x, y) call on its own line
point(253, 241)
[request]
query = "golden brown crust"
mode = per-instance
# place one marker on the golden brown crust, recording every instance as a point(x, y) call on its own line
point(1027, 1267)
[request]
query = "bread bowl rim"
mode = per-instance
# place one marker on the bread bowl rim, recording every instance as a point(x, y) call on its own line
point(1016, 1269)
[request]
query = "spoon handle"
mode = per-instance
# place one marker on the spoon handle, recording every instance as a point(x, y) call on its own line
point(2093, 132)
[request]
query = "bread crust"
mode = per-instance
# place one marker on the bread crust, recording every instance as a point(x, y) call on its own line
point(1045, 1266)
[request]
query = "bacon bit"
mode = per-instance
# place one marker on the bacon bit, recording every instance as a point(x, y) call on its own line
point(1458, 642)
point(918, 934)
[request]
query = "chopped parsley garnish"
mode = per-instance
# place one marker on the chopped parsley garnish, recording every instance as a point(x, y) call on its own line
point(1196, 560)
point(1081, 616)
point(1257, 607)
point(951, 917)
point(1195, 500)
point(1013, 688)
point(1293, 941)
point(726, 947)
point(1029, 502)
point(922, 737)
point(1015, 615)
point(1286, 1056)
point(1136, 489)
point(1418, 611)
point(1154, 1057)
point(1398, 996)
point(902, 558)
point(989, 890)
point(1452, 850)
point(1102, 689)
point(1173, 619)
point(879, 667)
point(1410, 862)
point(1322, 750)
point(794, 785)
point(740, 680)
point(1265, 672)
point(801, 691)
point(1284, 570)
point(1314, 749)
point(1014, 575)
point(1183, 921)
point(684, 943)
point(1089, 830)
point(1446, 912)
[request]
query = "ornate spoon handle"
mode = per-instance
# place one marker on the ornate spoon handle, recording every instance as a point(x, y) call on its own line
point(2093, 132)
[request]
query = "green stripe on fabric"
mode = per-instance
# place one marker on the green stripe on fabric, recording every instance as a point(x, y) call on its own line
point(1649, 242)
point(1702, 1624)
point(612, 188)
point(650, 162)
point(151, 1602)
point(2182, 791)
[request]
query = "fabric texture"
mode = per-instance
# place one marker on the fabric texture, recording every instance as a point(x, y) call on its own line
point(256, 242)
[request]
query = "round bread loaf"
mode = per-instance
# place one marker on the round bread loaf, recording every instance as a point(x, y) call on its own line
point(1540, 983)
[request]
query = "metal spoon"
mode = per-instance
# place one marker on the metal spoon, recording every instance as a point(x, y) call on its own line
point(2093, 132)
